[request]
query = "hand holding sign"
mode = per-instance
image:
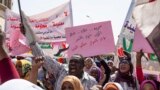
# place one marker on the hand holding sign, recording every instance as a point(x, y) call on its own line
point(27, 30)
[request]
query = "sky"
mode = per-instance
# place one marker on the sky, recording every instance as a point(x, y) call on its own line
point(84, 11)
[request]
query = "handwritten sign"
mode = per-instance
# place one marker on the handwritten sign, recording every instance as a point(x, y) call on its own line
point(91, 39)
point(48, 26)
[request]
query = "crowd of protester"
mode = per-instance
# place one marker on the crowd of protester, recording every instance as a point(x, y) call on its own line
point(42, 72)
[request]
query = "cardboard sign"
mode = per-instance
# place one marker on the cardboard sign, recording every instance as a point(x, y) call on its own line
point(89, 40)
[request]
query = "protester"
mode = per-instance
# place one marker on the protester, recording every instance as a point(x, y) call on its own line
point(76, 63)
point(124, 75)
point(113, 86)
point(7, 68)
point(89, 63)
point(49, 81)
point(96, 73)
point(144, 84)
point(148, 85)
point(105, 71)
point(37, 62)
point(71, 82)
point(111, 66)
point(23, 67)
point(9, 77)
point(19, 84)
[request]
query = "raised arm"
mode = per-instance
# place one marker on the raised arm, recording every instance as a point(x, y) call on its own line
point(139, 71)
point(36, 64)
point(107, 71)
point(52, 66)
point(7, 68)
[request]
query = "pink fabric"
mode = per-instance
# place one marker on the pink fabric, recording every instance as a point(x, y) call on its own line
point(140, 42)
point(141, 79)
point(148, 81)
point(7, 70)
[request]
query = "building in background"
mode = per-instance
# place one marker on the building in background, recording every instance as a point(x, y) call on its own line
point(4, 4)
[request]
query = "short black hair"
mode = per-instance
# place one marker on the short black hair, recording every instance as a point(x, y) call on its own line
point(79, 58)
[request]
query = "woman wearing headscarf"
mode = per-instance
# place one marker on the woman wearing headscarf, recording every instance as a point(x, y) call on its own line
point(71, 82)
point(105, 71)
point(124, 75)
point(112, 86)
point(7, 68)
point(144, 84)
point(148, 85)
point(89, 63)
point(23, 67)
point(96, 73)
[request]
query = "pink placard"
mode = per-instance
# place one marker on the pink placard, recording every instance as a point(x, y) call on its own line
point(91, 39)
point(140, 42)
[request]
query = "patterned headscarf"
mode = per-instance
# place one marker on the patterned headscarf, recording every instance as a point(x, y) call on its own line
point(26, 66)
point(77, 85)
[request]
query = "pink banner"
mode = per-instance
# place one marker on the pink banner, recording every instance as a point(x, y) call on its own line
point(48, 26)
point(92, 39)
point(17, 43)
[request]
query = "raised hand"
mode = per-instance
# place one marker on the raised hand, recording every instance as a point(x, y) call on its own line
point(22, 29)
point(140, 54)
point(37, 62)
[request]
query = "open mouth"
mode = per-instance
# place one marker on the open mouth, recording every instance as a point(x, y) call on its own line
point(73, 69)
point(123, 68)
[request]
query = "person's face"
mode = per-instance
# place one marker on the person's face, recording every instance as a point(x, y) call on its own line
point(94, 73)
point(103, 69)
point(67, 86)
point(124, 66)
point(19, 68)
point(88, 63)
point(110, 64)
point(148, 86)
point(75, 68)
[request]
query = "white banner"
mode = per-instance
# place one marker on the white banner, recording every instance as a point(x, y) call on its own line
point(48, 26)
point(125, 39)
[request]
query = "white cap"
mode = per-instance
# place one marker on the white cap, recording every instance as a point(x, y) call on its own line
point(19, 84)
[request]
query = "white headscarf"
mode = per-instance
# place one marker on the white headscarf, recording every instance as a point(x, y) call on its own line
point(19, 84)
point(93, 65)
